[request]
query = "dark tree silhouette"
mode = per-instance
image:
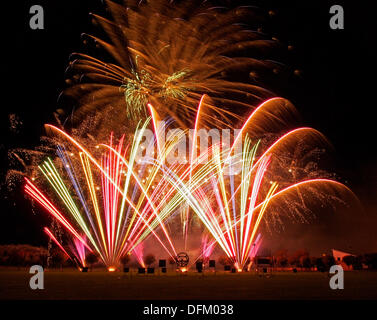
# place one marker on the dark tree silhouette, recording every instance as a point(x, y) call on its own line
point(370, 259)
point(349, 260)
point(328, 261)
point(57, 259)
point(225, 261)
point(91, 259)
point(125, 260)
point(282, 257)
point(22, 255)
point(297, 258)
point(149, 259)
point(320, 265)
point(306, 263)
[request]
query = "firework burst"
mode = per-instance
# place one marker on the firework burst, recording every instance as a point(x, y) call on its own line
point(170, 54)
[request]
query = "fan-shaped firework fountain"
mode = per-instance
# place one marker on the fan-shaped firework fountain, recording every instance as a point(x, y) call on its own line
point(238, 194)
point(129, 212)
point(229, 191)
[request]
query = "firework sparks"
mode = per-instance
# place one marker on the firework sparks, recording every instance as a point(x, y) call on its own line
point(170, 54)
point(207, 248)
point(131, 208)
point(235, 208)
point(53, 238)
point(230, 192)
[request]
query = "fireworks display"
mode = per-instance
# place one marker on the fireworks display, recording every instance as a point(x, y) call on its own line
point(235, 205)
point(169, 54)
point(129, 211)
point(120, 187)
point(113, 203)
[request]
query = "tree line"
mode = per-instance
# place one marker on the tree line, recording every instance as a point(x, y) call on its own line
point(26, 255)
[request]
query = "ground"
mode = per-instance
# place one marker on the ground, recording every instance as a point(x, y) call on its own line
point(72, 284)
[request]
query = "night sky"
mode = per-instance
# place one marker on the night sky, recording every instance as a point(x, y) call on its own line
point(334, 94)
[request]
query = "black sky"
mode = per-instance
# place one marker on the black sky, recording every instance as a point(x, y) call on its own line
point(335, 94)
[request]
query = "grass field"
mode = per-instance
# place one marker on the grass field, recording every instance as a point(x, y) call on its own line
point(70, 284)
